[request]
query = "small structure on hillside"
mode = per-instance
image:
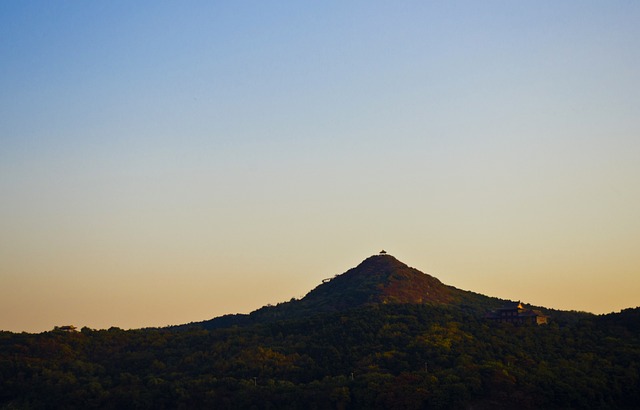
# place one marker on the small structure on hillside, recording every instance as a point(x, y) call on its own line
point(383, 252)
point(68, 328)
point(515, 312)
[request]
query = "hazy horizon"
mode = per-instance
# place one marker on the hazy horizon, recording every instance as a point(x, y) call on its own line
point(163, 163)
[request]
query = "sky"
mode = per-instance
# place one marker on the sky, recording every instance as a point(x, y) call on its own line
point(168, 162)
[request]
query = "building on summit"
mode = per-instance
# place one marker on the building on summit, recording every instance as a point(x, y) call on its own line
point(514, 312)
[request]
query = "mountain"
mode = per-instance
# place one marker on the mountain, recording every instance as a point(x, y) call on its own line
point(382, 335)
point(379, 279)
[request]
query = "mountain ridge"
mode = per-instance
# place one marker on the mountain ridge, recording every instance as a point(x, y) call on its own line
point(378, 279)
point(380, 336)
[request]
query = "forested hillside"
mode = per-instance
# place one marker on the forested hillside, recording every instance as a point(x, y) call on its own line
point(380, 336)
point(379, 279)
point(384, 356)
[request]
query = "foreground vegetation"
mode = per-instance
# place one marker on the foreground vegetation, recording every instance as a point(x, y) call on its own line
point(382, 356)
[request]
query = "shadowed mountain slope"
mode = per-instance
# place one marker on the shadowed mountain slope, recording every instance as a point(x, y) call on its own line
point(379, 279)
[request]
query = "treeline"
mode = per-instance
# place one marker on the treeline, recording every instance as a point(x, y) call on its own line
point(383, 356)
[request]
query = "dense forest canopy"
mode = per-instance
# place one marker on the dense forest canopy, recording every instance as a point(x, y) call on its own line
point(385, 356)
point(379, 353)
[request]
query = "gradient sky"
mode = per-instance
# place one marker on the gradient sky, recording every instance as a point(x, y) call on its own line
point(167, 162)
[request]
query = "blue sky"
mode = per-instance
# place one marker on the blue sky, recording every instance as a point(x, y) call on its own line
point(167, 162)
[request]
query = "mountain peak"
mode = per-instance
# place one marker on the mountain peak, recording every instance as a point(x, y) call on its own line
point(380, 278)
